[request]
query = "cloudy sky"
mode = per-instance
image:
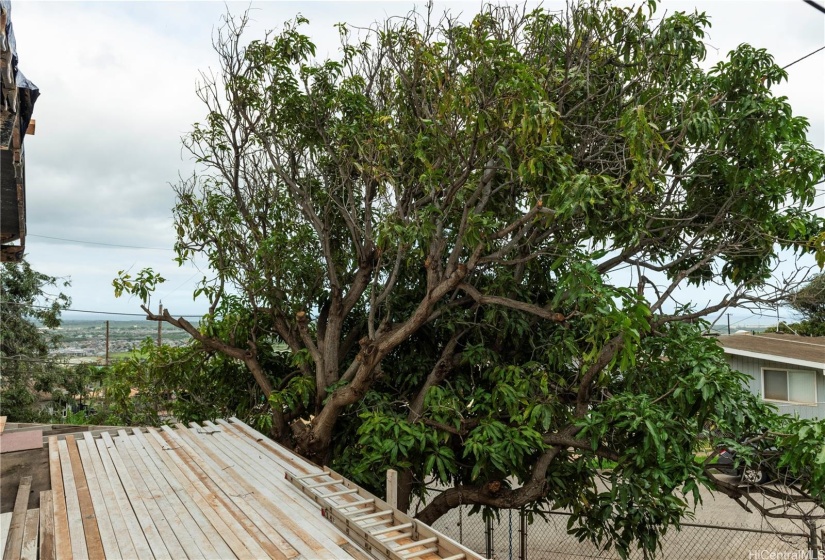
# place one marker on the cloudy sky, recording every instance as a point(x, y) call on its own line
point(118, 80)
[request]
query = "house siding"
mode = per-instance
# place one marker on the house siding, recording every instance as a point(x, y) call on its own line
point(752, 367)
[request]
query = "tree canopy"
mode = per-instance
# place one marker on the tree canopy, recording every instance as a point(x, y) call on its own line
point(469, 236)
point(26, 305)
point(809, 302)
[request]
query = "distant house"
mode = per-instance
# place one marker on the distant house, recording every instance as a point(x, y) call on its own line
point(786, 370)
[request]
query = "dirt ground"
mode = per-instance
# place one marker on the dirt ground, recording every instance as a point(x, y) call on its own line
point(17, 464)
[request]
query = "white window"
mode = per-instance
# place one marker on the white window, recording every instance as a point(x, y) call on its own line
point(789, 385)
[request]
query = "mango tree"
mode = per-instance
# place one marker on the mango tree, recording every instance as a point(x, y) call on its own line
point(470, 235)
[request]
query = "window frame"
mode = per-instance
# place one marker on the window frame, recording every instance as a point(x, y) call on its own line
point(788, 371)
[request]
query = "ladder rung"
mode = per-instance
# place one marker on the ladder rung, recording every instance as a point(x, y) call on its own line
point(456, 557)
point(355, 504)
point(420, 552)
point(367, 524)
point(415, 544)
point(391, 529)
point(349, 514)
point(306, 476)
point(321, 484)
point(341, 493)
point(396, 537)
point(371, 515)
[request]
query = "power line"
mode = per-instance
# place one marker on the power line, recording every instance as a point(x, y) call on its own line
point(815, 5)
point(803, 58)
point(85, 310)
point(97, 243)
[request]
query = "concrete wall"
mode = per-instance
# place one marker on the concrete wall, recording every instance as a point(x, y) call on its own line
point(753, 368)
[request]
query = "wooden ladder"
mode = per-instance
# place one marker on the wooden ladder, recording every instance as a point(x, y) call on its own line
point(382, 530)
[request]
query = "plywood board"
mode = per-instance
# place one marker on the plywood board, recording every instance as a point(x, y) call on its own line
point(20, 441)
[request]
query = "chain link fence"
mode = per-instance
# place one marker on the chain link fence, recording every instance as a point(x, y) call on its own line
point(512, 538)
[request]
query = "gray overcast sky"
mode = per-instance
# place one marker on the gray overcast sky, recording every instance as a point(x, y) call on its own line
point(118, 80)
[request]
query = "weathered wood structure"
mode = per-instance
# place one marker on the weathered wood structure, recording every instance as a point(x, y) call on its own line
point(213, 491)
point(17, 98)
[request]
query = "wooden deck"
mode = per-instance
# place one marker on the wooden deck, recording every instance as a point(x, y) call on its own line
point(212, 491)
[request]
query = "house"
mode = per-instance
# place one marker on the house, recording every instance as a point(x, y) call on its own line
point(786, 370)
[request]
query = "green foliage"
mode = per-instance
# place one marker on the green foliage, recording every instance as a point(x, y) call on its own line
point(161, 383)
point(802, 328)
point(809, 301)
point(26, 369)
point(141, 285)
point(417, 249)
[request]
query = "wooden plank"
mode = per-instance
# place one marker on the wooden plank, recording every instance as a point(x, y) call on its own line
point(20, 441)
point(5, 522)
point(125, 547)
point(30, 535)
point(242, 493)
point(145, 520)
point(102, 516)
point(392, 488)
point(295, 461)
point(2, 423)
point(186, 531)
point(168, 471)
point(93, 433)
point(206, 497)
point(87, 509)
point(62, 541)
point(252, 537)
point(76, 532)
point(46, 526)
point(294, 511)
point(147, 497)
point(138, 539)
point(14, 541)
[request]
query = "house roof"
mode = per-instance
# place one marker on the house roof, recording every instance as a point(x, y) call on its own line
point(806, 351)
point(214, 491)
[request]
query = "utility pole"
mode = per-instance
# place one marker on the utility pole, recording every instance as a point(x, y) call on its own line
point(160, 323)
point(107, 343)
point(728, 323)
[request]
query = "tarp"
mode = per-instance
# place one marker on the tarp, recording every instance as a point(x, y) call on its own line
point(27, 91)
